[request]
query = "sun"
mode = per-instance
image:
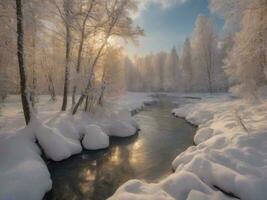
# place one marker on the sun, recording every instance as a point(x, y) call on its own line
point(112, 41)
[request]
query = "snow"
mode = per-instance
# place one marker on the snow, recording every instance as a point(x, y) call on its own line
point(64, 134)
point(121, 128)
point(122, 124)
point(95, 138)
point(23, 173)
point(55, 145)
point(66, 125)
point(184, 185)
point(132, 101)
point(230, 154)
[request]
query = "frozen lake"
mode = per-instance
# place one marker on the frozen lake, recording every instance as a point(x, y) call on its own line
point(95, 175)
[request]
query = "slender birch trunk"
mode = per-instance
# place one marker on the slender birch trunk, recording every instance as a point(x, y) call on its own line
point(20, 54)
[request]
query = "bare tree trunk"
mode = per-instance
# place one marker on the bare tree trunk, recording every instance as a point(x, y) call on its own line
point(78, 66)
point(67, 55)
point(101, 97)
point(78, 104)
point(34, 71)
point(263, 53)
point(20, 54)
point(73, 98)
point(51, 88)
point(102, 89)
point(86, 104)
point(66, 80)
point(49, 78)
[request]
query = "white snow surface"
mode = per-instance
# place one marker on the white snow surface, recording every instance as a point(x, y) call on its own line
point(23, 173)
point(230, 155)
point(55, 145)
point(95, 138)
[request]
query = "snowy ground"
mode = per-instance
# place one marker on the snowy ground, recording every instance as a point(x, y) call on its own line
point(230, 154)
point(23, 173)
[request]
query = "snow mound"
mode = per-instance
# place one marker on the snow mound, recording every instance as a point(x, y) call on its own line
point(126, 116)
point(121, 128)
point(121, 124)
point(23, 174)
point(95, 138)
point(182, 186)
point(116, 122)
point(60, 137)
point(56, 146)
point(66, 125)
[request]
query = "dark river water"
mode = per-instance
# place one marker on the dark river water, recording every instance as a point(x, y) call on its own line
point(95, 175)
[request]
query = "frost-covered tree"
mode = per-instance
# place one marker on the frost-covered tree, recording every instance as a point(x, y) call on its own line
point(230, 10)
point(219, 78)
point(139, 73)
point(162, 69)
point(33, 17)
point(48, 67)
point(62, 39)
point(160, 66)
point(186, 65)
point(148, 71)
point(117, 22)
point(84, 29)
point(204, 49)
point(246, 63)
point(67, 17)
point(129, 73)
point(113, 76)
point(9, 80)
point(172, 72)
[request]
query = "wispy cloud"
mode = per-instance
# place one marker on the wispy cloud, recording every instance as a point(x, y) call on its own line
point(144, 4)
point(162, 3)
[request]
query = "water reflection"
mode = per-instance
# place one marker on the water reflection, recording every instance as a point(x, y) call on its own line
point(97, 174)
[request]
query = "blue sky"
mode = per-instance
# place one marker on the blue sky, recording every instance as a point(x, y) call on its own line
point(168, 26)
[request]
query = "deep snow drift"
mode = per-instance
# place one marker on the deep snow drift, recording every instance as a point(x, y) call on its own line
point(23, 173)
point(230, 155)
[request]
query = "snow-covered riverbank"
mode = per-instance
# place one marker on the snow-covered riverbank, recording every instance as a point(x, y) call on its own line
point(230, 155)
point(60, 135)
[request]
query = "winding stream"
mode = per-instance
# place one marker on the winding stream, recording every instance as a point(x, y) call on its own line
point(95, 175)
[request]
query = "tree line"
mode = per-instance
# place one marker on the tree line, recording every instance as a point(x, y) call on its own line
point(198, 68)
point(63, 47)
point(209, 61)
